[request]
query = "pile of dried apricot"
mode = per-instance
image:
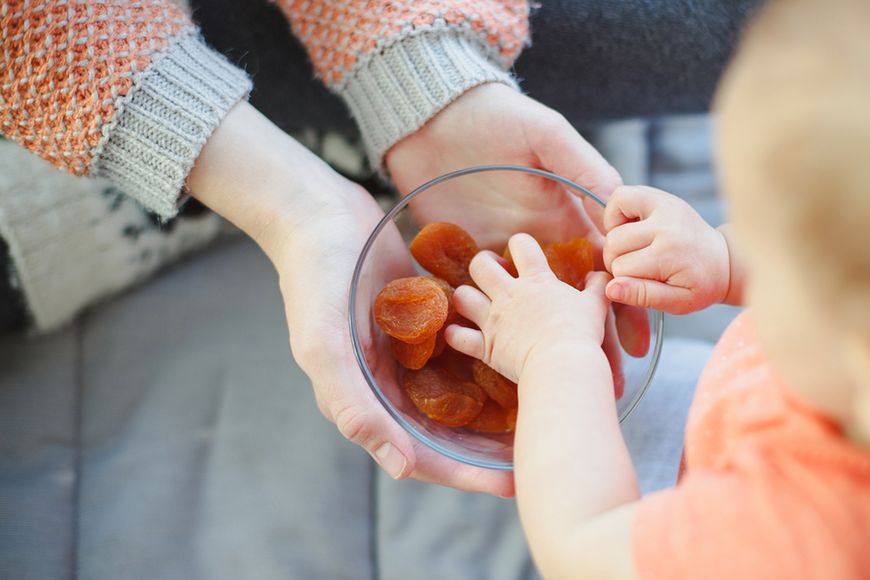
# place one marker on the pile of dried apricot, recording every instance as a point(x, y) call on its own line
point(445, 385)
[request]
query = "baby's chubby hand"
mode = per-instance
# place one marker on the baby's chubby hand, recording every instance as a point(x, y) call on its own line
point(661, 253)
point(519, 316)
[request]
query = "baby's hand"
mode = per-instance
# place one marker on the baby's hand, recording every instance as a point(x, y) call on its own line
point(519, 316)
point(662, 254)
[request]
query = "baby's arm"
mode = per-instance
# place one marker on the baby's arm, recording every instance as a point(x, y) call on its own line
point(575, 482)
point(663, 255)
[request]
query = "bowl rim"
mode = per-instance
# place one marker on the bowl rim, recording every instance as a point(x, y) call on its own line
point(658, 317)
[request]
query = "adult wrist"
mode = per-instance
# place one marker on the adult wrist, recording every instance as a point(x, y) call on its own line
point(250, 172)
point(270, 186)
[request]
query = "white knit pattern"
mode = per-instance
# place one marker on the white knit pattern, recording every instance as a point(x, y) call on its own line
point(71, 244)
point(412, 80)
point(177, 104)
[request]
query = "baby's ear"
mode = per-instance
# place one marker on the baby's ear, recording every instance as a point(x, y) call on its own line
point(857, 358)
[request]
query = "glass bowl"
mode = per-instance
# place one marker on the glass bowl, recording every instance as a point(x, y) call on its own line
point(524, 199)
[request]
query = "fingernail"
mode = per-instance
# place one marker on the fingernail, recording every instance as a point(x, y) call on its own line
point(391, 460)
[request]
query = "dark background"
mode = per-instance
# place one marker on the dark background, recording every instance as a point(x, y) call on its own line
point(590, 59)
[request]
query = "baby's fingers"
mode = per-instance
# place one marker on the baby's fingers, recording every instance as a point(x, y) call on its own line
point(650, 294)
point(472, 304)
point(488, 274)
point(527, 255)
point(596, 282)
point(630, 203)
point(625, 239)
point(645, 263)
point(465, 340)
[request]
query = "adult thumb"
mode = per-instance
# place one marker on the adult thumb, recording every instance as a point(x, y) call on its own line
point(565, 152)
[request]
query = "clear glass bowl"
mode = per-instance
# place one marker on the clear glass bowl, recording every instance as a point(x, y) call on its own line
point(526, 200)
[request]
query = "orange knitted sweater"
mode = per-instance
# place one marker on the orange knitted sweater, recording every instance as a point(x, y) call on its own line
point(126, 89)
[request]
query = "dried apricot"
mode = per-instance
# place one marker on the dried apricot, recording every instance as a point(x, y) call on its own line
point(440, 342)
point(444, 285)
point(445, 250)
point(455, 363)
point(499, 389)
point(452, 317)
point(413, 356)
point(411, 309)
point(494, 418)
point(571, 261)
point(443, 397)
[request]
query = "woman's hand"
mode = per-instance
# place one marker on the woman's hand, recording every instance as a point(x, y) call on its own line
point(494, 124)
point(312, 223)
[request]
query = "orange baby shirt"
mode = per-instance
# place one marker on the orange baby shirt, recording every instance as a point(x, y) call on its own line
point(772, 489)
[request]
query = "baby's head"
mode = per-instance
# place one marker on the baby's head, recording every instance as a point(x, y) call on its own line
point(794, 148)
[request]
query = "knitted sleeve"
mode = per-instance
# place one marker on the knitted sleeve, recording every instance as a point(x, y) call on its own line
point(396, 63)
point(116, 88)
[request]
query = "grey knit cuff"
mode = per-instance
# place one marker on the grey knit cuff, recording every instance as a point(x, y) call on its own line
point(166, 119)
point(400, 89)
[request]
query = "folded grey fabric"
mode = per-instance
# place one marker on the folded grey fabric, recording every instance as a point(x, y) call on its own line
point(188, 446)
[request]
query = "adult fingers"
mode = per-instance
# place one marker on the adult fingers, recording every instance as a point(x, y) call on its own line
point(610, 345)
point(345, 398)
point(432, 467)
point(562, 150)
point(348, 402)
point(632, 326)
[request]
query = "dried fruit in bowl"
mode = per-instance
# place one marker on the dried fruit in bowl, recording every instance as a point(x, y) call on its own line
point(494, 418)
point(571, 261)
point(500, 389)
point(414, 356)
point(411, 309)
point(445, 250)
point(445, 385)
point(444, 397)
point(452, 317)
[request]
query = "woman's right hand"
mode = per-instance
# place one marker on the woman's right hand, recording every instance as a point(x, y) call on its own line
point(312, 223)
